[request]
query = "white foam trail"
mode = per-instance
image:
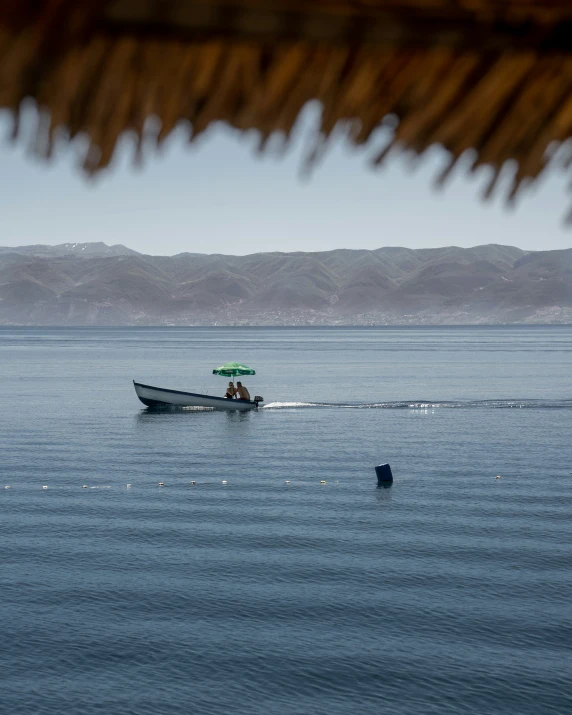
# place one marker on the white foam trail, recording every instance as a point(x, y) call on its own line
point(425, 405)
point(275, 405)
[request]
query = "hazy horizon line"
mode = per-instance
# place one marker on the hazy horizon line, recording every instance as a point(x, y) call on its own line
point(276, 251)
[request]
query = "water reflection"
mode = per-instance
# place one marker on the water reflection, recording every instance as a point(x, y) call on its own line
point(156, 415)
point(383, 494)
point(152, 415)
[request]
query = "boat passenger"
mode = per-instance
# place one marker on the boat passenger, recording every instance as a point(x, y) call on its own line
point(242, 392)
point(230, 391)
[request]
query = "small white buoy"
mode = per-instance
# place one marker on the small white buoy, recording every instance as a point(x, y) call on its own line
point(498, 476)
point(128, 485)
point(224, 481)
point(323, 481)
point(287, 481)
point(161, 484)
point(45, 486)
point(7, 486)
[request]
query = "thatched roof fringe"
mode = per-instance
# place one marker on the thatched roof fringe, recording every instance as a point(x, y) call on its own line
point(492, 77)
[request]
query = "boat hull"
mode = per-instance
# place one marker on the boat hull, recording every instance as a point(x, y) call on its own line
point(161, 397)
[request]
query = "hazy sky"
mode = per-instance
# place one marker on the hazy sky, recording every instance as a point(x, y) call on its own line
point(222, 197)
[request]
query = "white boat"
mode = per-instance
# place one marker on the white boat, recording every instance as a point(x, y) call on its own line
point(161, 397)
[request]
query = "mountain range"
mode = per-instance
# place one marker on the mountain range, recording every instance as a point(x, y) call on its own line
point(96, 284)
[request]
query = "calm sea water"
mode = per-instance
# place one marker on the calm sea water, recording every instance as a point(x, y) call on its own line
point(447, 593)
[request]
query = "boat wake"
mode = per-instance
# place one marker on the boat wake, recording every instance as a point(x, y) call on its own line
point(429, 405)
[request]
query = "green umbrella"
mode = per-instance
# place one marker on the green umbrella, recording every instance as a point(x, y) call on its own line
point(233, 369)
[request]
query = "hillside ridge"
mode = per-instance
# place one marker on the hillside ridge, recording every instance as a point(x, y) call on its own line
point(96, 284)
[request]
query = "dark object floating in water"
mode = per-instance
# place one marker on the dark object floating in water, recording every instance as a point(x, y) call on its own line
point(384, 475)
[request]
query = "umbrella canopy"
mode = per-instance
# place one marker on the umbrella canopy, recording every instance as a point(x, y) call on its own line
point(233, 369)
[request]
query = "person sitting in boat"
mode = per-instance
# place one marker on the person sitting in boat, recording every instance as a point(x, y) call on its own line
point(242, 392)
point(231, 390)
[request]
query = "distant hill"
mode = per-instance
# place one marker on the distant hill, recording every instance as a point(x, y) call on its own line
point(81, 250)
point(96, 284)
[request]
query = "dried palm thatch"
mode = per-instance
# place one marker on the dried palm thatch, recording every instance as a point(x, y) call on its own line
point(494, 76)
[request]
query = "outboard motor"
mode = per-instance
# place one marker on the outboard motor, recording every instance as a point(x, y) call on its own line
point(258, 399)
